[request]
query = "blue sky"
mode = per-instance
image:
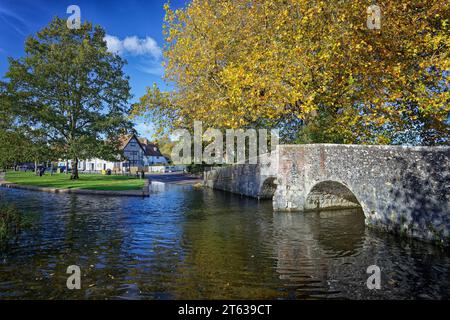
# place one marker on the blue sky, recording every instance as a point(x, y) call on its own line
point(134, 29)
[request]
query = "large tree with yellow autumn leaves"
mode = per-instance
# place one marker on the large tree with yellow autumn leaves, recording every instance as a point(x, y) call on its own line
point(311, 68)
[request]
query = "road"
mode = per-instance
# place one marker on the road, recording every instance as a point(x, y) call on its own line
point(176, 178)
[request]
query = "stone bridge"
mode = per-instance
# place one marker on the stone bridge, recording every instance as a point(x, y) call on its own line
point(400, 189)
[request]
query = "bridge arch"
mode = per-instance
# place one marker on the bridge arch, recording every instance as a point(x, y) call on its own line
point(331, 194)
point(268, 188)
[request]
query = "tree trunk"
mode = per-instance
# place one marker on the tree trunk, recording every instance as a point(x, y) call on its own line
point(67, 166)
point(74, 175)
point(36, 171)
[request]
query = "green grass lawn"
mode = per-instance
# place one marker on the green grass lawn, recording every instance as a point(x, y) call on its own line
point(86, 181)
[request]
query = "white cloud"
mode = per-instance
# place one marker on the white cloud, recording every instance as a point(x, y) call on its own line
point(134, 46)
point(146, 50)
point(114, 44)
point(155, 69)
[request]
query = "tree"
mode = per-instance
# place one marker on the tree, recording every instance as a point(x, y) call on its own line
point(19, 143)
point(245, 63)
point(69, 86)
point(12, 141)
point(11, 149)
point(165, 145)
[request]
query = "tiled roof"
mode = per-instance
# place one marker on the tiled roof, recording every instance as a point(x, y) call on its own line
point(150, 149)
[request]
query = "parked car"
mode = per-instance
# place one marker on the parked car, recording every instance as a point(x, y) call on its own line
point(26, 167)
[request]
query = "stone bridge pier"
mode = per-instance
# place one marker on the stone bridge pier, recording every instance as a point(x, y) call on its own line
point(400, 189)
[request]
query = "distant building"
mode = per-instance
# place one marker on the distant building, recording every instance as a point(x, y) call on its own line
point(152, 155)
point(139, 154)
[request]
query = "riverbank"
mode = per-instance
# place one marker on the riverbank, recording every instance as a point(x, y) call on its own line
point(86, 185)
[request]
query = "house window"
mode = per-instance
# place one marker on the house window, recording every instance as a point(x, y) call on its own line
point(133, 144)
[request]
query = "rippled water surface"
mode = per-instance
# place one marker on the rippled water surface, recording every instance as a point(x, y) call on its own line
point(183, 243)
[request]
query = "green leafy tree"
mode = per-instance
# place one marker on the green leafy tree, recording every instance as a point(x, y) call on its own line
point(69, 86)
point(19, 142)
point(12, 140)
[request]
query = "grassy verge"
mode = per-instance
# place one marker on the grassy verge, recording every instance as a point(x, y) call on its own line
point(87, 181)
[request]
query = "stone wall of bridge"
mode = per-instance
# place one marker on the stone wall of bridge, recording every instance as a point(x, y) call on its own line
point(252, 180)
point(401, 189)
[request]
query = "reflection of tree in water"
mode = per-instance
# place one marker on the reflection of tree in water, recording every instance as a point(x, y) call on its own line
point(92, 237)
point(226, 240)
point(326, 254)
point(305, 243)
point(410, 269)
point(161, 241)
point(341, 232)
point(71, 230)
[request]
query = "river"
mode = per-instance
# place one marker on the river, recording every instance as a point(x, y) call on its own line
point(187, 243)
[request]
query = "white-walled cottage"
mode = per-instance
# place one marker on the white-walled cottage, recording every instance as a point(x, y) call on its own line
point(138, 153)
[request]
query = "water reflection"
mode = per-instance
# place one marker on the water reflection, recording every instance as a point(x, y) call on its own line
point(306, 242)
point(157, 186)
point(194, 244)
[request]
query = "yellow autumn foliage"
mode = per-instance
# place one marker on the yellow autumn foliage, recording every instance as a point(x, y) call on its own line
point(237, 63)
